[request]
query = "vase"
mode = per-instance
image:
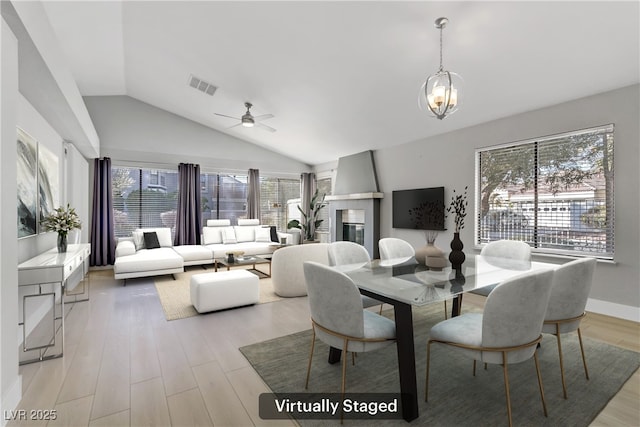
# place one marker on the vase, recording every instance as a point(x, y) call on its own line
point(431, 256)
point(62, 243)
point(456, 256)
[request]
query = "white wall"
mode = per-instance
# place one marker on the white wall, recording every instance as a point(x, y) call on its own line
point(30, 120)
point(137, 132)
point(448, 160)
point(10, 381)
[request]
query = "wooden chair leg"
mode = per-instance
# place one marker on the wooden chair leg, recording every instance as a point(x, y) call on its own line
point(344, 376)
point(446, 316)
point(505, 373)
point(564, 385)
point(544, 402)
point(313, 343)
point(584, 360)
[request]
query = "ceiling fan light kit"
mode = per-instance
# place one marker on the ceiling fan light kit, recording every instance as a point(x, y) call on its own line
point(440, 93)
point(248, 120)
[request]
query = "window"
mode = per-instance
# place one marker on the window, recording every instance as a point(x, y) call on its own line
point(555, 193)
point(223, 197)
point(274, 193)
point(143, 198)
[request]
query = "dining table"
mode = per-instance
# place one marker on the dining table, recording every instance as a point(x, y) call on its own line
point(404, 283)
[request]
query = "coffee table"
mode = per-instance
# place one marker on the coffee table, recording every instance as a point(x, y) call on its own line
point(244, 261)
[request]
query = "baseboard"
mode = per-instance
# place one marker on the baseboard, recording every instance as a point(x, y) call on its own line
point(620, 311)
point(10, 400)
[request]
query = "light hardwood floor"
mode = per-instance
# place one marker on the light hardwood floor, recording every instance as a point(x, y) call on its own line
point(125, 365)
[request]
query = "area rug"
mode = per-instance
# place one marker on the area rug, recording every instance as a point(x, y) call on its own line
point(456, 397)
point(175, 295)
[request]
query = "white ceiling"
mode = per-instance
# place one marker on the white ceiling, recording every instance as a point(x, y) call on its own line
point(344, 76)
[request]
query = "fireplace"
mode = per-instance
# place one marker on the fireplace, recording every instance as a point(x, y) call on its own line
point(356, 218)
point(354, 208)
point(353, 226)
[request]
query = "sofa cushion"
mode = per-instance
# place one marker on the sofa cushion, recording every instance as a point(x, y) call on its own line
point(218, 222)
point(151, 240)
point(212, 235)
point(148, 260)
point(263, 234)
point(194, 254)
point(228, 235)
point(125, 248)
point(245, 233)
point(244, 222)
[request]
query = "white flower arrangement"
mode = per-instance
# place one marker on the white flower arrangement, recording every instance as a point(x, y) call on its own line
point(62, 220)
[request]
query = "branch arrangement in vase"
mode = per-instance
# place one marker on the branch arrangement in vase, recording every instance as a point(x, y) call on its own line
point(458, 206)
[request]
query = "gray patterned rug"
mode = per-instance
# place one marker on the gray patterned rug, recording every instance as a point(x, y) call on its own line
point(456, 398)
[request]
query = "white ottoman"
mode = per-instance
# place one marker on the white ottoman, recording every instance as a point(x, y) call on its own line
point(224, 289)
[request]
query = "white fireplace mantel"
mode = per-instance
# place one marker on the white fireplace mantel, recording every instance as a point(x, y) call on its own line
point(355, 196)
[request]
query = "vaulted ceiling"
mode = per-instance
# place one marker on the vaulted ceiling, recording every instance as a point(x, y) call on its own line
point(343, 77)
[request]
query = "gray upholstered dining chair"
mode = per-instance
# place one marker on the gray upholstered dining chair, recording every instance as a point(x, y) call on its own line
point(507, 332)
point(346, 253)
point(393, 248)
point(569, 293)
point(506, 254)
point(337, 316)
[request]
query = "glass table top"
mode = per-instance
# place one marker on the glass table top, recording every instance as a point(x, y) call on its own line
point(405, 280)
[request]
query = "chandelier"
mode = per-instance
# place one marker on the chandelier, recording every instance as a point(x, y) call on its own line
point(440, 93)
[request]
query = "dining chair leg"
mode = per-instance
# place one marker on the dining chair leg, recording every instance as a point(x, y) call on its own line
point(381, 305)
point(474, 367)
point(505, 373)
point(446, 316)
point(544, 402)
point(313, 343)
point(426, 381)
point(584, 360)
point(344, 376)
point(564, 385)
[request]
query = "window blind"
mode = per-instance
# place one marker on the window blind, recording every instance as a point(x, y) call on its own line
point(143, 198)
point(556, 193)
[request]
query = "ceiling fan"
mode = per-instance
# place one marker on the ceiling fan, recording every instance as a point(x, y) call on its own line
point(248, 120)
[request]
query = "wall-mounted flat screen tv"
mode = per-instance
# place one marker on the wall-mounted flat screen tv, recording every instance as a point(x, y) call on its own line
point(420, 209)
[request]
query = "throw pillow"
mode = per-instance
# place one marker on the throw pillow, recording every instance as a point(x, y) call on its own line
point(274, 234)
point(212, 235)
point(263, 234)
point(228, 236)
point(151, 240)
point(138, 239)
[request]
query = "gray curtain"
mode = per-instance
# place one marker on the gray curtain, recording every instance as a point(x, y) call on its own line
point(253, 195)
point(189, 214)
point(103, 240)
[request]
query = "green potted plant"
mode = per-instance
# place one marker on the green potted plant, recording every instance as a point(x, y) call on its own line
point(311, 221)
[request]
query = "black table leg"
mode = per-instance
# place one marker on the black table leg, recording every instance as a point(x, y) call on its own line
point(456, 305)
point(406, 361)
point(334, 355)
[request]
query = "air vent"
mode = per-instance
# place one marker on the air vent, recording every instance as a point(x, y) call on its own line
point(201, 85)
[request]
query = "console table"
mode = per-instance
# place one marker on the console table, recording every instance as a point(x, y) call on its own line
point(44, 282)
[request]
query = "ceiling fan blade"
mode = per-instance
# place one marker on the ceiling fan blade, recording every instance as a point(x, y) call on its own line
point(224, 115)
point(263, 117)
point(235, 126)
point(265, 127)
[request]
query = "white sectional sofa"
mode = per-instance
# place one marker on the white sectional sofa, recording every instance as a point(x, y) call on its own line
point(133, 259)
